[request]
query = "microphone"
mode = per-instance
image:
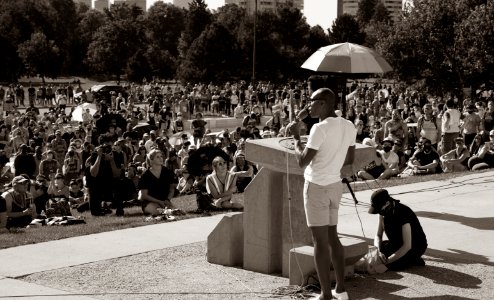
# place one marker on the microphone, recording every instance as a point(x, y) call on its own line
point(304, 113)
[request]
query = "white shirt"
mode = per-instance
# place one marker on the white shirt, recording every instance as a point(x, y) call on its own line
point(331, 138)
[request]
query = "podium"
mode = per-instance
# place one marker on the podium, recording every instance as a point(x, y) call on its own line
point(273, 221)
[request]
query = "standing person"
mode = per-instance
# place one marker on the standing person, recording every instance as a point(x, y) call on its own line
point(450, 126)
point(471, 124)
point(406, 239)
point(428, 126)
point(330, 145)
point(198, 127)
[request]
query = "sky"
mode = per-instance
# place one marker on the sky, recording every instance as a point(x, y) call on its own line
point(317, 12)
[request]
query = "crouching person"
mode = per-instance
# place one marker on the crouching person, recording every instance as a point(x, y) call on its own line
point(16, 207)
point(221, 184)
point(406, 239)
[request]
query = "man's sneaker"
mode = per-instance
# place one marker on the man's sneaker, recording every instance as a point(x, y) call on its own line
point(340, 296)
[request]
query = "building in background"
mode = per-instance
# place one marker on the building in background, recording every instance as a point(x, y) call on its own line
point(265, 5)
point(350, 7)
point(100, 5)
point(89, 3)
point(182, 3)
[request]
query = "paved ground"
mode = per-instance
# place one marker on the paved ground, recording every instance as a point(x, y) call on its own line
point(167, 261)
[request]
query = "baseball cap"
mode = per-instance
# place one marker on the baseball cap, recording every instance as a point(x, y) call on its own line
point(19, 180)
point(378, 200)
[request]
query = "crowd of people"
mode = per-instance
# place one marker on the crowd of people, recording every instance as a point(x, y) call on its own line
point(136, 148)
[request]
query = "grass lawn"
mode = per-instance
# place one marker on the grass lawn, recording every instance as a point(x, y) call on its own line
point(134, 216)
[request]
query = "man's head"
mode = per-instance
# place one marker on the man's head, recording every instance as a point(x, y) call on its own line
point(322, 103)
point(380, 202)
point(20, 184)
point(428, 109)
point(387, 144)
point(459, 142)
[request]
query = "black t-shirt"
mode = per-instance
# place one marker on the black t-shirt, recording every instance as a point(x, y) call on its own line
point(488, 121)
point(157, 187)
point(426, 158)
point(393, 227)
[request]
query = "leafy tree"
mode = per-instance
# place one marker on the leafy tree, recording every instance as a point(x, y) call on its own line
point(40, 56)
point(10, 64)
point(317, 38)
point(197, 19)
point(138, 67)
point(89, 23)
point(381, 14)
point(365, 11)
point(346, 29)
point(213, 56)
point(164, 25)
point(162, 63)
point(475, 39)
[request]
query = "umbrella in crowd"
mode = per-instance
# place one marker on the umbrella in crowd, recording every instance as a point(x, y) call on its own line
point(346, 58)
point(201, 160)
point(80, 109)
point(176, 138)
point(111, 119)
point(142, 128)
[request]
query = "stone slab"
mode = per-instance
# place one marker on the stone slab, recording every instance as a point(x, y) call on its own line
point(226, 241)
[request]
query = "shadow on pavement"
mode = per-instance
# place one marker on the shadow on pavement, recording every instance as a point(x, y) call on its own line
point(455, 257)
point(477, 223)
point(446, 276)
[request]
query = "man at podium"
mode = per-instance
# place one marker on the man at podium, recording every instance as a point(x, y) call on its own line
point(330, 145)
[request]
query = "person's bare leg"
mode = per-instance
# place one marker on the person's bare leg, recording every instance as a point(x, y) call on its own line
point(322, 259)
point(337, 257)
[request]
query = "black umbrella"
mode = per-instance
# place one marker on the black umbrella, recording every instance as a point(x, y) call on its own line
point(111, 119)
point(201, 160)
point(142, 128)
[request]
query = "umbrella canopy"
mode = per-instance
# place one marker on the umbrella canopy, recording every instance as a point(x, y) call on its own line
point(142, 128)
point(346, 58)
point(201, 160)
point(80, 109)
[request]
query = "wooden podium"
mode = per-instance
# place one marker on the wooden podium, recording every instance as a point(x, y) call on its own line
point(273, 219)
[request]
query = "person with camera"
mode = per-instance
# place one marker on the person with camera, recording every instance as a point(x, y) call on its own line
point(101, 170)
point(16, 205)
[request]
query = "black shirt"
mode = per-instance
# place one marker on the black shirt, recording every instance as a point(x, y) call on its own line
point(157, 187)
point(426, 158)
point(393, 223)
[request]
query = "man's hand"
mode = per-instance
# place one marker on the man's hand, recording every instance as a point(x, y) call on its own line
point(293, 129)
point(28, 212)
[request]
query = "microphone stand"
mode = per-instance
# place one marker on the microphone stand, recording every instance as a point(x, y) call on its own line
point(345, 180)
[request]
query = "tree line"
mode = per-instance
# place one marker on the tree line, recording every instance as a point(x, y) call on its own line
point(438, 45)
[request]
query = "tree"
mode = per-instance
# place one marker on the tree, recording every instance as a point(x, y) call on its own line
point(213, 56)
point(197, 19)
point(317, 38)
point(425, 46)
point(381, 14)
point(164, 25)
point(365, 11)
point(346, 29)
point(40, 56)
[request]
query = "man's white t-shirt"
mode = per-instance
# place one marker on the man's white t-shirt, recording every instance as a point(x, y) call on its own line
point(331, 138)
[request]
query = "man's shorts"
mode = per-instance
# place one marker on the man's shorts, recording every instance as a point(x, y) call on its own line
point(321, 203)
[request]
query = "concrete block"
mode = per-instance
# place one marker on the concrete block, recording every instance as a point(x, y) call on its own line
point(226, 241)
point(263, 222)
point(301, 262)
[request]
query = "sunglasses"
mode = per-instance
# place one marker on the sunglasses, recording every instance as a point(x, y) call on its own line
point(221, 163)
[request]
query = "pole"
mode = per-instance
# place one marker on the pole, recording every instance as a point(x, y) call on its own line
point(254, 45)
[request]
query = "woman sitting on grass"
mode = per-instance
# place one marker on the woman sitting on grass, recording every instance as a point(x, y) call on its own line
point(156, 185)
point(221, 184)
point(456, 160)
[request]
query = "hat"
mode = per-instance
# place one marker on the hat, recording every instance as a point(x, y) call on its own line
point(389, 140)
point(192, 147)
point(58, 132)
point(239, 153)
point(145, 134)
point(19, 179)
point(378, 199)
point(179, 114)
point(41, 178)
point(459, 139)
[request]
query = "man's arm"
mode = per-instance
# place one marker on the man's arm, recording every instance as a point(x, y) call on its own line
point(350, 155)
point(379, 233)
point(406, 232)
point(303, 154)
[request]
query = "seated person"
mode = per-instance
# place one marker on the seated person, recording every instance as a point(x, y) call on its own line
point(185, 182)
point(406, 239)
point(16, 207)
point(243, 170)
point(372, 170)
point(485, 157)
point(221, 184)
point(425, 160)
point(456, 160)
point(40, 193)
point(388, 161)
point(76, 194)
